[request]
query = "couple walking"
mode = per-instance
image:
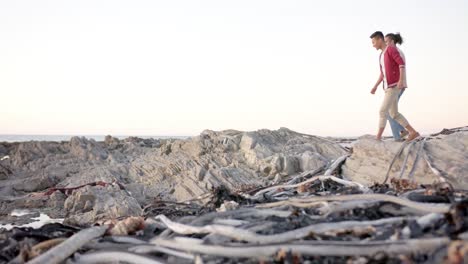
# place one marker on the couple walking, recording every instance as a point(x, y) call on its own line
point(393, 76)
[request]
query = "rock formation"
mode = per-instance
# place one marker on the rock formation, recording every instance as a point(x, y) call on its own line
point(118, 178)
point(84, 181)
point(437, 157)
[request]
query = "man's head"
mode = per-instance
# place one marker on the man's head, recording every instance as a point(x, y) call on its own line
point(378, 41)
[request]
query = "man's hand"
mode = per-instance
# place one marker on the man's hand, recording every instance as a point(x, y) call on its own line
point(401, 84)
point(373, 90)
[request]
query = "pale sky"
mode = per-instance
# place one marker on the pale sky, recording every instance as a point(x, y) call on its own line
point(179, 67)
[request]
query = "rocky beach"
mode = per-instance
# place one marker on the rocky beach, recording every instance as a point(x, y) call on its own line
point(271, 196)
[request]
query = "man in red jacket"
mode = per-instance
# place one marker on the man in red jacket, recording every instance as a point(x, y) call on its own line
point(393, 75)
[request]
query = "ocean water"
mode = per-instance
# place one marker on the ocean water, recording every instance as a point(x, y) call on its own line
point(58, 138)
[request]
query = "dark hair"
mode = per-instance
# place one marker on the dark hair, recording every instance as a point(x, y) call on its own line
point(395, 37)
point(377, 34)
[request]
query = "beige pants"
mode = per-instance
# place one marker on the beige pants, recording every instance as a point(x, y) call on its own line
point(390, 107)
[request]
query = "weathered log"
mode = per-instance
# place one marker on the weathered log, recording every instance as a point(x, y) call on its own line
point(69, 246)
point(425, 207)
point(248, 236)
point(116, 256)
point(312, 248)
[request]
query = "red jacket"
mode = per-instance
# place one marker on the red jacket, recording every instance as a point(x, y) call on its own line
point(393, 62)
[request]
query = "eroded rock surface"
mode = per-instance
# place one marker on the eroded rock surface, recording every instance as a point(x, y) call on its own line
point(445, 156)
point(135, 171)
point(84, 181)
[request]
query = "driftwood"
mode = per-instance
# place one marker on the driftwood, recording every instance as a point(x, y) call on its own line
point(327, 208)
point(244, 235)
point(423, 222)
point(315, 178)
point(416, 159)
point(244, 212)
point(292, 183)
point(305, 202)
point(70, 246)
point(70, 190)
point(308, 217)
point(336, 164)
point(301, 176)
point(397, 154)
point(311, 248)
point(276, 230)
point(405, 161)
point(116, 256)
point(144, 249)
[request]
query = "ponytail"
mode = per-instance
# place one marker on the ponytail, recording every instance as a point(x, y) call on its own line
point(397, 38)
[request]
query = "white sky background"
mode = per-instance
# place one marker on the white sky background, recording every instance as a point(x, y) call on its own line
point(179, 67)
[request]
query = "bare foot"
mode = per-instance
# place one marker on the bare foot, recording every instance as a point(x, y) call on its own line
point(378, 138)
point(412, 136)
